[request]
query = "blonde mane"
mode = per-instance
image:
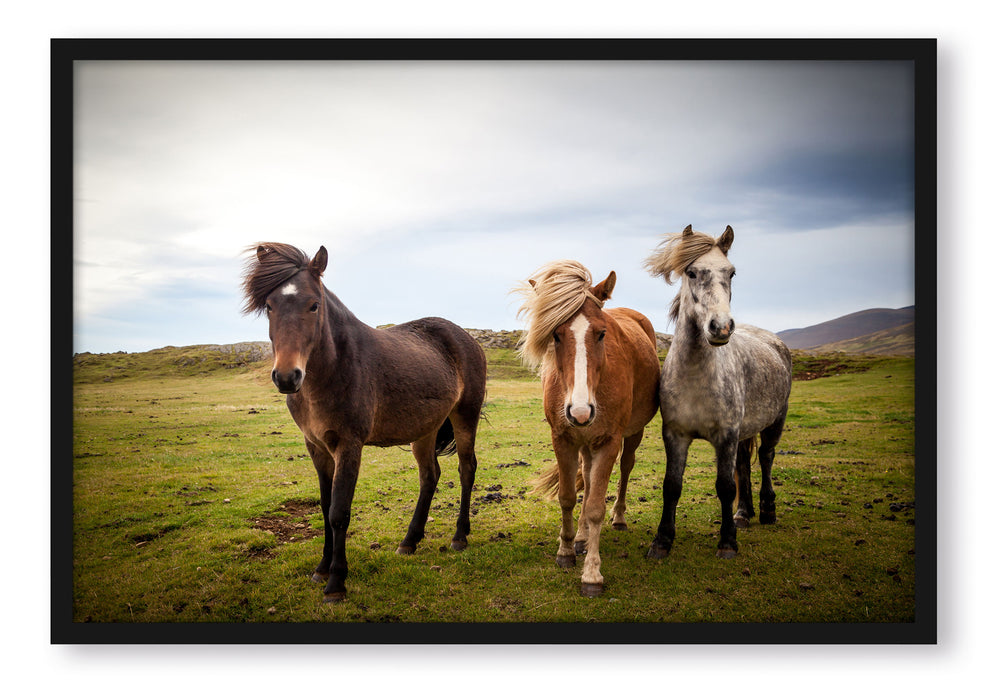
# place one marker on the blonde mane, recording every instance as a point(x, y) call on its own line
point(554, 293)
point(671, 258)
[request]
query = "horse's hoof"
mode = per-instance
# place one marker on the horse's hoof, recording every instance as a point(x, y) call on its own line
point(741, 521)
point(580, 547)
point(406, 549)
point(768, 518)
point(592, 590)
point(725, 553)
point(657, 552)
point(566, 561)
point(620, 526)
point(332, 598)
point(319, 577)
point(458, 545)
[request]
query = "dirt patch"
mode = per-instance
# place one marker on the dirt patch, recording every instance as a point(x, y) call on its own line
point(287, 525)
point(816, 369)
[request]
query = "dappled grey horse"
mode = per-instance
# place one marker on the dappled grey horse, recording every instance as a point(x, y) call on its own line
point(720, 382)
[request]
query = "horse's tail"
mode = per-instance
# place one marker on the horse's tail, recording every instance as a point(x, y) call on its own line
point(750, 447)
point(446, 445)
point(547, 483)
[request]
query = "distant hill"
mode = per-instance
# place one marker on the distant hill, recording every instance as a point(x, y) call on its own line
point(874, 331)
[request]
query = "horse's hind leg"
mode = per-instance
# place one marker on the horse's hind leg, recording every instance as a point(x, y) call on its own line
point(626, 462)
point(424, 450)
point(744, 487)
point(465, 431)
point(768, 449)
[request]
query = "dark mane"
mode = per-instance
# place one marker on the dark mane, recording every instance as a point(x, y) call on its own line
point(270, 265)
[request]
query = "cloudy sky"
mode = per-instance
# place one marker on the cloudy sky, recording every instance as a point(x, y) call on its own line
point(437, 186)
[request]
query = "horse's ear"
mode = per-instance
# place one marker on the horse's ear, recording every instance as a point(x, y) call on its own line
point(319, 262)
point(532, 283)
point(724, 241)
point(603, 290)
point(262, 252)
point(687, 231)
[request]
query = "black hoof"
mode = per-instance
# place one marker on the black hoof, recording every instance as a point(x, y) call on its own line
point(580, 547)
point(657, 551)
point(768, 518)
point(725, 553)
point(741, 521)
point(332, 598)
point(592, 590)
point(566, 561)
point(319, 577)
point(406, 549)
point(458, 545)
point(620, 526)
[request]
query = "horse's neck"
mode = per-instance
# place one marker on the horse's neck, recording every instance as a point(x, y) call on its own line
point(342, 336)
point(689, 349)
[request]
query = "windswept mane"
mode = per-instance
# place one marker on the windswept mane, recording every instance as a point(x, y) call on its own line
point(264, 272)
point(671, 258)
point(554, 293)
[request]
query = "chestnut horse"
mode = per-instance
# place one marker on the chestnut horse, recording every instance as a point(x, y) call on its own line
point(350, 385)
point(721, 382)
point(600, 376)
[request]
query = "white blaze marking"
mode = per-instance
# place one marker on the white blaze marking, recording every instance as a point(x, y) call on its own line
point(289, 289)
point(580, 396)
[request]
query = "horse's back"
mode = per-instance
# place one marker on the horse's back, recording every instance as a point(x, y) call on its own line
point(632, 322)
point(767, 363)
point(452, 345)
point(766, 347)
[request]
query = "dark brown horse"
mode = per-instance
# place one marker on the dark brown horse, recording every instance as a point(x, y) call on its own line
point(350, 385)
point(600, 381)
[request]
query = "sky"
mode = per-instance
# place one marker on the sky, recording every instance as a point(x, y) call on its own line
point(437, 187)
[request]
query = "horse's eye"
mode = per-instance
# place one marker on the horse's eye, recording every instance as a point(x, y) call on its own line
point(315, 307)
point(268, 308)
point(601, 336)
point(556, 338)
point(691, 274)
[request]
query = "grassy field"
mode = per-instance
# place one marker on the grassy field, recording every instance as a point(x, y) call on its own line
point(194, 501)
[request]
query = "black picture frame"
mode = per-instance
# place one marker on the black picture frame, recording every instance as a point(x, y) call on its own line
point(64, 52)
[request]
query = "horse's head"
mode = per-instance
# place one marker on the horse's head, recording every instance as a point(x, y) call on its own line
point(295, 319)
point(707, 290)
point(579, 354)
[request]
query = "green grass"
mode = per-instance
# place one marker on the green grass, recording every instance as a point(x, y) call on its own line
point(194, 500)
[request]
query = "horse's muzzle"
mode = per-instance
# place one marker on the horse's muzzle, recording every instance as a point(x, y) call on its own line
point(288, 383)
point(580, 417)
point(719, 335)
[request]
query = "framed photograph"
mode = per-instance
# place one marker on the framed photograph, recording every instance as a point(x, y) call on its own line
point(487, 341)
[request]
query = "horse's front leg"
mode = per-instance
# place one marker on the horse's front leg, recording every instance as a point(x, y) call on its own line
point(726, 450)
point(323, 461)
point(675, 447)
point(348, 462)
point(593, 513)
point(567, 466)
